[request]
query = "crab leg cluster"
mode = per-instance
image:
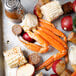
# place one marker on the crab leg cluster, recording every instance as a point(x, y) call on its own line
point(46, 34)
point(30, 46)
point(52, 29)
point(49, 33)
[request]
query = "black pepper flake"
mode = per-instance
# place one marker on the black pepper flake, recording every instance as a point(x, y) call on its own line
point(8, 41)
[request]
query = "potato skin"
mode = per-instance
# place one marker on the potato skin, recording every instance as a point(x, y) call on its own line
point(58, 66)
point(54, 65)
point(72, 37)
point(66, 73)
point(37, 11)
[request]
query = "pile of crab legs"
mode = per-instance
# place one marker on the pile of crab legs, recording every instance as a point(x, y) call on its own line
point(46, 34)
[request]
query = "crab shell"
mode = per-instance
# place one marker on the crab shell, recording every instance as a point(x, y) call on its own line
point(46, 34)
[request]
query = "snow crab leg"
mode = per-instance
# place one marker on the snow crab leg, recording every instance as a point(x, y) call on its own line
point(29, 45)
point(57, 38)
point(53, 35)
point(50, 40)
point(49, 66)
point(42, 41)
point(52, 29)
point(53, 58)
point(56, 45)
point(34, 47)
point(47, 22)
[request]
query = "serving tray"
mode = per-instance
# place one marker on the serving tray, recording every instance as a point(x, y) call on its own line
point(9, 40)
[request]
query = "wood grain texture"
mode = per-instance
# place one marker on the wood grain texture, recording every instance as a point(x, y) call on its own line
point(1, 39)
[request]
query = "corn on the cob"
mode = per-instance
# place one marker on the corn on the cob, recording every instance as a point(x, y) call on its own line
point(51, 10)
point(14, 57)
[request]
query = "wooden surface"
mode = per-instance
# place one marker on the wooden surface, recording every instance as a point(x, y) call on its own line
point(1, 41)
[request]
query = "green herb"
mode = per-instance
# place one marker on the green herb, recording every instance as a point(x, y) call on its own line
point(74, 24)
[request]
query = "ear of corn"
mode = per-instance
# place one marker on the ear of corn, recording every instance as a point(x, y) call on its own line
point(14, 57)
point(51, 10)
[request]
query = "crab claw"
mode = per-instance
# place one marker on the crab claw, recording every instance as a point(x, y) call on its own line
point(74, 74)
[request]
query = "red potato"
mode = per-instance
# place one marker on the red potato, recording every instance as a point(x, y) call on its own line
point(74, 6)
point(53, 75)
point(37, 11)
point(58, 66)
point(66, 73)
point(27, 37)
point(26, 70)
point(72, 37)
point(67, 23)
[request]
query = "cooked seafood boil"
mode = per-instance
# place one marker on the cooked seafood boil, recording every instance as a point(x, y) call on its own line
point(46, 34)
point(38, 27)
